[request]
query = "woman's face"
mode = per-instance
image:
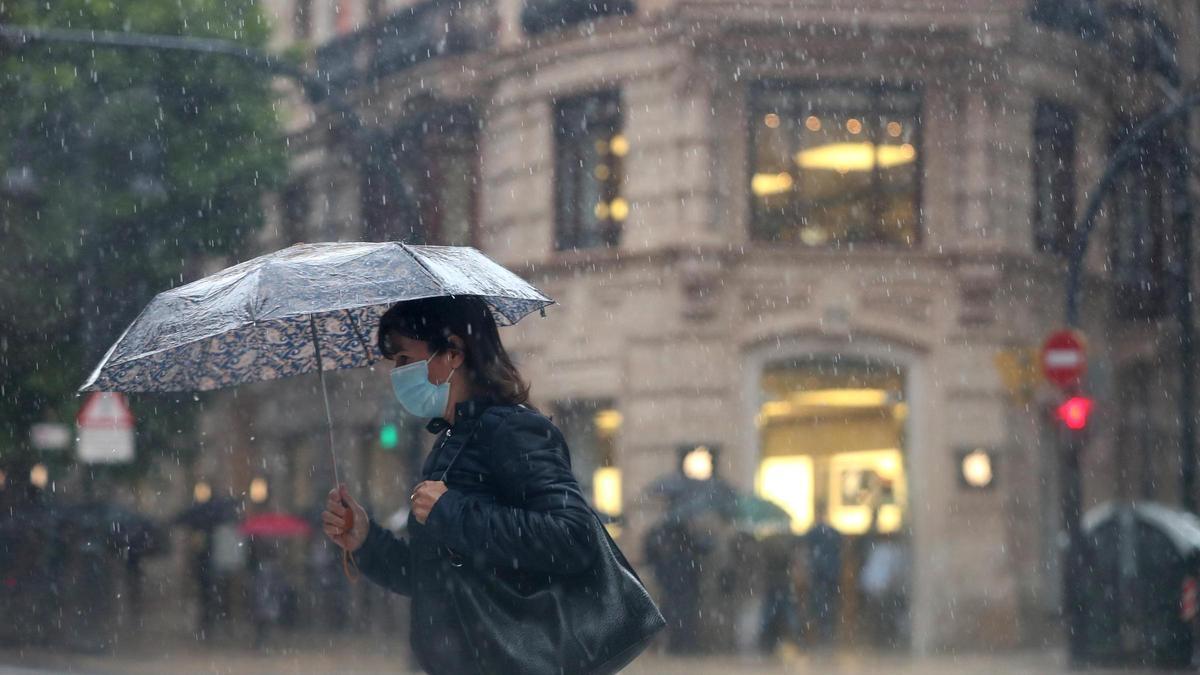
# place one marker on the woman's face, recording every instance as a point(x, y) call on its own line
point(409, 351)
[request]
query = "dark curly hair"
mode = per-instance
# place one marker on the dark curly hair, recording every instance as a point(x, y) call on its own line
point(434, 320)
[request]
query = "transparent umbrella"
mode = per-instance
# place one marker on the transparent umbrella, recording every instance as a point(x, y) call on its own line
point(304, 308)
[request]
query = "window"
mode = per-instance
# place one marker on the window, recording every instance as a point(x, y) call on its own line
point(589, 147)
point(590, 427)
point(424, 188)
point(1140, 213)
point(835, 165)
point(1053, 177)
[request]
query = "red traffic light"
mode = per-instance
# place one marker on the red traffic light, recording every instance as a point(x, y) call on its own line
point(1074, 412)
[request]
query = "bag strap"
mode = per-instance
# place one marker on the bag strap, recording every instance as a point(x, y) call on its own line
point(462, 446)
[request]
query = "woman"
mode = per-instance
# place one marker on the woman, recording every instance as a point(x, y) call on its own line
point(497, 496)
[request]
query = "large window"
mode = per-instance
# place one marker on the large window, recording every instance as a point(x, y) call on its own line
point(1053, 177)
point(423, 189)
point(835, 165)
point(1140, 215)
point(589, 147)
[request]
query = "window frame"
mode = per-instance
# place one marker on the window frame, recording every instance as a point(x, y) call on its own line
point(569, 228)
point(877, 91)
point(419, 145)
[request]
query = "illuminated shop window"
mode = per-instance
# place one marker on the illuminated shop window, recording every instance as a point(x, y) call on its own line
point(835, 165)
point(832, 431)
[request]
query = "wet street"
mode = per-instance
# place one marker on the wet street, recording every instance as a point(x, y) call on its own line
point(371, 657)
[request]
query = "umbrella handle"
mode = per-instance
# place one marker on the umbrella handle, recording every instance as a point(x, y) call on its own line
point(348, 563)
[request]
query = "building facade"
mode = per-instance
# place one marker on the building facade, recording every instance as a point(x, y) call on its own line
point(821, 242)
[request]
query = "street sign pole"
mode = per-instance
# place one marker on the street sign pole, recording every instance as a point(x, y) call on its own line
point(1064, 361)
point(1074, 560)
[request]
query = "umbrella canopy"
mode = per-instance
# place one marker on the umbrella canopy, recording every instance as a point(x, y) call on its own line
point(119, 526)
point(207, 515)
point(281, 314)
point(761, 517)
point(759, 512)
point(1180, 527)
point(277, 525)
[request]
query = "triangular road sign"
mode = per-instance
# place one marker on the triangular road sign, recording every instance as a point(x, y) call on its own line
point(105, 410)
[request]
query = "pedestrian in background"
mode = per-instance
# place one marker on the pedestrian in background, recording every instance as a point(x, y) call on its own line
point(825, 565)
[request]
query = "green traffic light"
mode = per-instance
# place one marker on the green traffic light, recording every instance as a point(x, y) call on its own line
point(389, 436)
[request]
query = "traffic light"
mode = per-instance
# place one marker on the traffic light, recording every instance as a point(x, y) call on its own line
point(389, 436)
point(1074, 412)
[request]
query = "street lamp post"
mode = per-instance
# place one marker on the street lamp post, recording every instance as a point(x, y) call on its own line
point(1156, 50)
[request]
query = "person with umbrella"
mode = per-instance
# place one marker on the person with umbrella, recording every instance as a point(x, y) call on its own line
point(498, 523)
point(451, 366)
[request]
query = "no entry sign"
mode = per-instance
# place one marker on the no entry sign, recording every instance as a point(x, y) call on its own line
point(1064, 358)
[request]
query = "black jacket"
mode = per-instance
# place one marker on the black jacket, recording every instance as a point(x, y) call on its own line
point(513, 509)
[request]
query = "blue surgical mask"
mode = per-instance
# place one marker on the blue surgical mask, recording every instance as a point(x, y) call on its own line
point(416, 394)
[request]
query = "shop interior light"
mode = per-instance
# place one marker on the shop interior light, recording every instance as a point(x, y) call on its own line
point(841, 398)
point(608, 420)
point(788, 481)
point(39, 475)
point(606, 490)
point(202, 492)
point(698, 464)
point(258, 490)
point(847, 157)
point(821, 400)
point(767, 184)
point(619, 209)
point(619, 145)
point(977, 469)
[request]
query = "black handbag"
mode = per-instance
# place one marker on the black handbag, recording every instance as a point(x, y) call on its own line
point(591, 623)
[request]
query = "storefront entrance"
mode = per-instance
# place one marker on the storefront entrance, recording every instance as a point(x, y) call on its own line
point(832, 439)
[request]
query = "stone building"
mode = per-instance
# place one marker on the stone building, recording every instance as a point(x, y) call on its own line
point(819, 239)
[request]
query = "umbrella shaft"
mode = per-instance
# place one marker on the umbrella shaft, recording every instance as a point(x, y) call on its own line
point(312, 322)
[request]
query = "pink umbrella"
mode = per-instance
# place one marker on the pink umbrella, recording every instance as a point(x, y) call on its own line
point(275, 525)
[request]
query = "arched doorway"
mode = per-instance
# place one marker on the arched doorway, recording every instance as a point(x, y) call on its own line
point(832, 439)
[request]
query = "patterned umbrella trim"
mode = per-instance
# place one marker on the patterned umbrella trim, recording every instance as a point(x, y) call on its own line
point(544, 302)
point(244, 348)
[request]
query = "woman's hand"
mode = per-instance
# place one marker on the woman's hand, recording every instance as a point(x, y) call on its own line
point(424, 496)
point(338, 515)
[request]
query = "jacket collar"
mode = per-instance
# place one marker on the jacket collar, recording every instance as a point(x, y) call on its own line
point(467, 410)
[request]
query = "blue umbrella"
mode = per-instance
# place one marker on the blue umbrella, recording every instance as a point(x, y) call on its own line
point(304, 308)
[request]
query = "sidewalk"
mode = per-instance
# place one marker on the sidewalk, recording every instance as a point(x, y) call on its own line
point(341, 655)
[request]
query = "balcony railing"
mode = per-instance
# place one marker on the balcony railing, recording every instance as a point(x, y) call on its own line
point(406, 38)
